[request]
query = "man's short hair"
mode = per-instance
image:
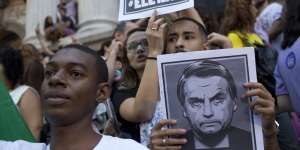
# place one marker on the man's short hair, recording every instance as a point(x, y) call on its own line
point(100, 67)
point(205, 68)
point(202, 28)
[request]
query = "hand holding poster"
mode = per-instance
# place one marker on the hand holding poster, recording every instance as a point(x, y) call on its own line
point(136, 9)
point(202, 91)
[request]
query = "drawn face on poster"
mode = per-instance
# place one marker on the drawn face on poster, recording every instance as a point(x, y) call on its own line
point(208, 95)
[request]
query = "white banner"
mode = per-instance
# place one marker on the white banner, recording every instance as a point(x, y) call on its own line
point(137, 9)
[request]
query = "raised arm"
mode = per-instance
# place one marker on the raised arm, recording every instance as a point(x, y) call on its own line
point(216, 40)
point(43, 44)
point(142, 107)
point(111, 54)
point(276, 29)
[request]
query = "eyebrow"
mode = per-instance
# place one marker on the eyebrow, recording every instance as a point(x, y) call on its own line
point(219, 92)
point(71, 64)
point(195, 99)
point(188, 32)
point(51, 64)
point(139, 41)
point(74, 64)
point(172, 34)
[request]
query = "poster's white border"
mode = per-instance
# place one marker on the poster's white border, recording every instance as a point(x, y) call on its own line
point(210, 54)
point(148, 13)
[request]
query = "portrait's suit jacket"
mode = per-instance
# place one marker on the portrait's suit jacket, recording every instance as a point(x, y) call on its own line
point(238, 140)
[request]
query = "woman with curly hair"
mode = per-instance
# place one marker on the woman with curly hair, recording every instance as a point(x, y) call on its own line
point(238, 23)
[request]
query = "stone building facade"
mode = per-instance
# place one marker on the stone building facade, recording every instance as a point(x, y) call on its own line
point(97, 20)
point(12, 22)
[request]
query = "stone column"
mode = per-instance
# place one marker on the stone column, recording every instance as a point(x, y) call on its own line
point(97, 19)
point(36, 12)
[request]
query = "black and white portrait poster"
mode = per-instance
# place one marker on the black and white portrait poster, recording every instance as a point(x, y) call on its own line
point(136, 9)
point(202, 90)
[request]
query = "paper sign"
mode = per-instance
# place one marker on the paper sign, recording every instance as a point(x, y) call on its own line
point(137, 9)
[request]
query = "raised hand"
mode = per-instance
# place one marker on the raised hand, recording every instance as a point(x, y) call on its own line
point(156, 35)
point(114, 47)
point(217, 40)
point(264, 105)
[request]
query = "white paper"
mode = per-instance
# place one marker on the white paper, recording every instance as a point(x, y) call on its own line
point(170, 67)
point(137, 9)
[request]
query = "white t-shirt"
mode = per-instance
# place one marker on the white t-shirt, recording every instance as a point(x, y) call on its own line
point(114, 143)
point(106, 143)
point(21, 145)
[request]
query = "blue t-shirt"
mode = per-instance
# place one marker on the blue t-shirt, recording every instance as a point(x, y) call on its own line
point(287, 74)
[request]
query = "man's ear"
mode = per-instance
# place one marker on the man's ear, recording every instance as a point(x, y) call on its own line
point(184, 114)
point(103, 92)
point(235, 105)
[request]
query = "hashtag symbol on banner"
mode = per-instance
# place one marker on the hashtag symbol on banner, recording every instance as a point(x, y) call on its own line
point(130, 3)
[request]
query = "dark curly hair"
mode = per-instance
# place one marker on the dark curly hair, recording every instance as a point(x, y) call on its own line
point(291, 30)
point(12, 61)
point(239, 16)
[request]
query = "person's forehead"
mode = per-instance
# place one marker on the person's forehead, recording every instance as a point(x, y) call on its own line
point(205, 87)
point(75, 56)
point(210, 82)
point(129, 26)
point(184, 26)
point(137, 36)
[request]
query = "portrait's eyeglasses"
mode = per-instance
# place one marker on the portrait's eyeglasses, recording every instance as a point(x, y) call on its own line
point(134, 45)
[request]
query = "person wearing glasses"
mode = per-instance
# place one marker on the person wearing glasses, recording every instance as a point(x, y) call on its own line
point(125, 98)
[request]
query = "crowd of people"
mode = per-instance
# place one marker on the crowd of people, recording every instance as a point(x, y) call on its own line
point(57, 98)
point(65, 24)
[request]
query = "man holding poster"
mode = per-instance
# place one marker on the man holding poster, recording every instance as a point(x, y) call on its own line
point(188, 34)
